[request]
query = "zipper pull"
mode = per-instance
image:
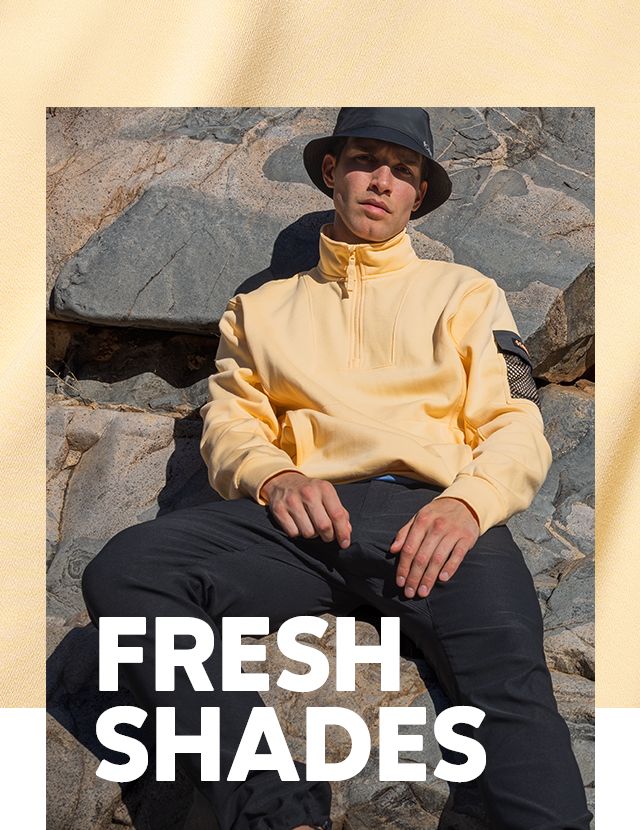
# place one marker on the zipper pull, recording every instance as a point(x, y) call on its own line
point(351, 272)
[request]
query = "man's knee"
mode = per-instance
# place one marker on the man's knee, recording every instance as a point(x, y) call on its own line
point(109, 571)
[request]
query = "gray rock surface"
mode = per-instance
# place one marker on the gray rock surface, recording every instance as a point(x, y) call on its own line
point(174, 260)
point(89, 500)
point(560, 523)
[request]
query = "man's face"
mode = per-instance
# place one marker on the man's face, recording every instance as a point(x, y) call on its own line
point(376, 185)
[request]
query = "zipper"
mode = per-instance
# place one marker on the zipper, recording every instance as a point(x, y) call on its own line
point(351, 270)
point(355, 292)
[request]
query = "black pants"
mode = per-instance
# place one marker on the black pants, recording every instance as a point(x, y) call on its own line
point(481, 632)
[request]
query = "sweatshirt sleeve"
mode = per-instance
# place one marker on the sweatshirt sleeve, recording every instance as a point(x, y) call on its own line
point(500, 417)
point(240, 425)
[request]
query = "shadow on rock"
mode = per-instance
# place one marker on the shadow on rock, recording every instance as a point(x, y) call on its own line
point(295, 250)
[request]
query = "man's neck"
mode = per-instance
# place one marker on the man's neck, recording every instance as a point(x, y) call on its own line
point(348, 238)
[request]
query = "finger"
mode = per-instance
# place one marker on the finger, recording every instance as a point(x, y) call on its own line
point(320, 521)
point(312, 497)
point(307, 509)
point(401, 535)
point(406, 556)
point(285, 519)
point(404, 563)
point(326, 513)
point(419, 565)
point(338, 516)
point(437, 543)
point(439, 559)
point(420, 532)
point(298, 511)
point(453, 562)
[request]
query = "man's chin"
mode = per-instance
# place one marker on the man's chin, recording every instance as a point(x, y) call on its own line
point(368, 230)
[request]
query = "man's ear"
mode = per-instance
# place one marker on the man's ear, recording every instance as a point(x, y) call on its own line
point(422, 191)
point(328, 170)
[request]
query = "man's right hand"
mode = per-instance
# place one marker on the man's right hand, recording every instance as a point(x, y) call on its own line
point(307, 507)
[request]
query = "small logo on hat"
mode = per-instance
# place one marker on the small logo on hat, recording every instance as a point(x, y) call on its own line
point(426, 147)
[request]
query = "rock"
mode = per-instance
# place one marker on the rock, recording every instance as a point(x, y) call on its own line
point(102, 161)
point(163, 455)
point(557, 533)
point(541, 549)
point(528, 175)
point(396, 807)
point(522, 213)
point(572, 650)
point(583, 743)
point(568, 163)
point(359, 798)
point(587, 386)
point(147, 370)
point(291, 706)
point(544, 584)
point(226, 124)
point(144, 391)
point(572, 602)
point(560, 523)
point(558, 326)
point(77, 799)
point(575, 697)
point(81, 801)
point(75, 704)
point(569, 416)
point(90, 497)
point(172, 261)
point(64, 575)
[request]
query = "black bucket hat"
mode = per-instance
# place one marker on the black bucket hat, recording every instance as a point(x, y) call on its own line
point(407, 126)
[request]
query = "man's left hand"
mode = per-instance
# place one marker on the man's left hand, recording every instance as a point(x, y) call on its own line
point(434, 543)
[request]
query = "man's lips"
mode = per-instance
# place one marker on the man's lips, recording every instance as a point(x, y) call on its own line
point(375, 207)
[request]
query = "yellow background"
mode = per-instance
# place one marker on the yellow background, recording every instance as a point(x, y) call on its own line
point(331, 52)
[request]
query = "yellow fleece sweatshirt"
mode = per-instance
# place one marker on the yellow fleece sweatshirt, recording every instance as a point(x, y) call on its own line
point(374, 362)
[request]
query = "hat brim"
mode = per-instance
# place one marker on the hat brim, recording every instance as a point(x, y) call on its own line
point(438, 181)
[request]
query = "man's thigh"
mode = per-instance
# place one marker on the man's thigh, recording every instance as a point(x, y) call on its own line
point(227, 558)
point(485, 619)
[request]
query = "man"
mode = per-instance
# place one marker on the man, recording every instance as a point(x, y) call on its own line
point(372, 426)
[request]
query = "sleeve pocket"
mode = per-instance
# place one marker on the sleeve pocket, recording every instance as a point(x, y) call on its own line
point(518, 363)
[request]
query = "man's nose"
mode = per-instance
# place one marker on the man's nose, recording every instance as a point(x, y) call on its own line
point(382, 178)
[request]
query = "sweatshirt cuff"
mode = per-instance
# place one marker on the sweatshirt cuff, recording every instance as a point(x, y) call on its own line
point(481, 496)
point(254, 472)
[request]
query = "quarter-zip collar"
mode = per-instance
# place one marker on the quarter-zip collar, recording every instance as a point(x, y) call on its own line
point(346, 263)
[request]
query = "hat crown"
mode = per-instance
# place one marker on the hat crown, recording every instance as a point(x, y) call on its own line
point(411, 122)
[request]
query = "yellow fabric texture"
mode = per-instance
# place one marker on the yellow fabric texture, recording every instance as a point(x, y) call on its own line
point(285, 53)
point(374, 362)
